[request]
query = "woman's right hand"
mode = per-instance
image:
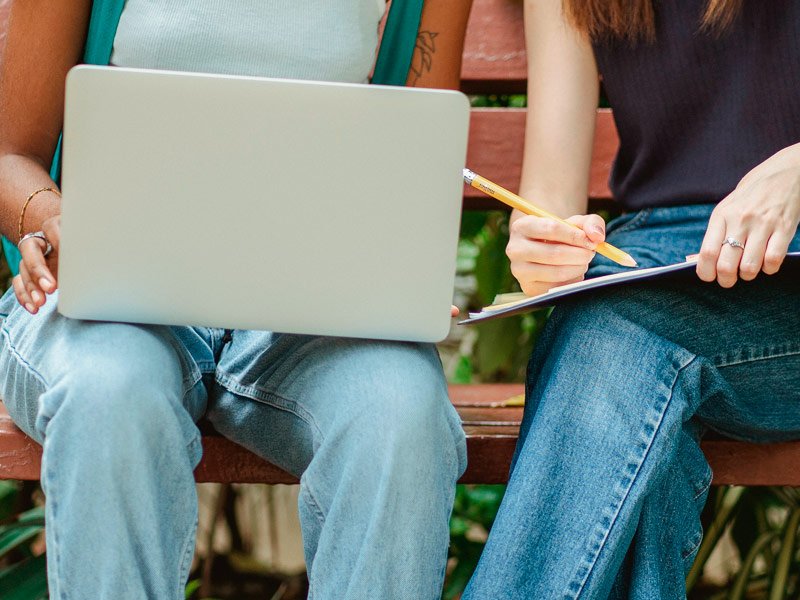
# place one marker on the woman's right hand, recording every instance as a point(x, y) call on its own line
point(37, 273)
point(545, 253)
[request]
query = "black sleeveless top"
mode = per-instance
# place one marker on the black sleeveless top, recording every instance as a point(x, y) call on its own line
point(696, 112)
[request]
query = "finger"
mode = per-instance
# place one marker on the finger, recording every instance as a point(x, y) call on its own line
point(36, 295)
point(52, 230)
point(453, 310)
point(526, 250)
point(710, 249)
point(535, 288)
point(777, 247)
point(546, 273)
point(753, 254)
point(541, 228)
point(21, 290)
point(22, 294)
point(728, 263)
point(32, 251)
point(593, 225)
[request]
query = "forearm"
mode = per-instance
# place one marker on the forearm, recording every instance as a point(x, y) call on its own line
point(19, 177)
point(563, 88)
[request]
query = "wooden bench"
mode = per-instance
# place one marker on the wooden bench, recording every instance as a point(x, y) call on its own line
point(494, 62)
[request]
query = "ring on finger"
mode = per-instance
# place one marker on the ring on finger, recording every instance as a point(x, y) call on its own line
point(40, 236)
point(733, 242)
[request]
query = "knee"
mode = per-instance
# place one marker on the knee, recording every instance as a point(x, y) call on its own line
point(124, 397)
point(409, 422)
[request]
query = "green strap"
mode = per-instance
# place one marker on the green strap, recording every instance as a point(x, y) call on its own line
point(399, 40)
point(99, 45)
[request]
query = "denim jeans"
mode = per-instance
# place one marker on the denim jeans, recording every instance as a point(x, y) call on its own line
point(366, 425)
point(608, 480)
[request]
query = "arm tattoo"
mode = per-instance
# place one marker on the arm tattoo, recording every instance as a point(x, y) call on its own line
point(422, 60)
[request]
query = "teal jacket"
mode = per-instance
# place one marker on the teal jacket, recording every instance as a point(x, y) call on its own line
point(391, 67)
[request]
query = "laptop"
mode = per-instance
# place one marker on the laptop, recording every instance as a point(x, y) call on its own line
point(252, 203)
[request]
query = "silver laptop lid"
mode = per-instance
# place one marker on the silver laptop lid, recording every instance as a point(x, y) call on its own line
point(250, 203)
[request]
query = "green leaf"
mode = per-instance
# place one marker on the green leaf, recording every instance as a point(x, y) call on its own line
point(783, 564)
point(496, 345)
point(192, 587)
point(26, 580)
point(13, 536)
point(463, 370)
point(9, 491)
point(472, 221)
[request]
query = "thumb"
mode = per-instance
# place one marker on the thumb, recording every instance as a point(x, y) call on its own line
point(593, 225)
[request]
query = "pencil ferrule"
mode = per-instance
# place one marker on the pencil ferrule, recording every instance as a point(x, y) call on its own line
point(469, 176)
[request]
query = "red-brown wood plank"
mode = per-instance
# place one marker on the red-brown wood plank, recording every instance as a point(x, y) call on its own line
point(496, 139)
point(491, 437)
point(494, 48)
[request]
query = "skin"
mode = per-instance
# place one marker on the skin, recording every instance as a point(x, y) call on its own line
point(563, 86)
point(45, 39)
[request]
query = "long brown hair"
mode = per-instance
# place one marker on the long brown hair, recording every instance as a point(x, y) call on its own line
point(635, 19)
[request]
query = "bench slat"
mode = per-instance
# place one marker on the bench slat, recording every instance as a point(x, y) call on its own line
point(494, 49)
point(491, 438)
point(496, 138)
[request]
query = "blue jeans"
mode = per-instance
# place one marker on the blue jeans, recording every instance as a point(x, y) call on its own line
point(366, 425)
point(608, 480)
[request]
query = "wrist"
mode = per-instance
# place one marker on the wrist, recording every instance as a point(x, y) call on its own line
point(38, 208)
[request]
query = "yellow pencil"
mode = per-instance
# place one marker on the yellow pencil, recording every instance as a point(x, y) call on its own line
point(500, 193)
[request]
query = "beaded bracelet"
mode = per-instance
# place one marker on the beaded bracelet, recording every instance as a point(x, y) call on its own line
point(25, 207)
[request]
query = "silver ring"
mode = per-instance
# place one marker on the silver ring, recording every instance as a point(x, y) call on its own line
point(733, 242)
point(38, 235)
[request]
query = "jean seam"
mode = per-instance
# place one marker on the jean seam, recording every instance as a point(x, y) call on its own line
point(269, 397)
point(637, 221)
point(695, 545)
point(54, 530)
point(613, 520)
point(767, 354)
point(186, 558)
point(22, 360)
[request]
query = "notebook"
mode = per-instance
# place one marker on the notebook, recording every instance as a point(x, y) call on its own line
point(506, 305)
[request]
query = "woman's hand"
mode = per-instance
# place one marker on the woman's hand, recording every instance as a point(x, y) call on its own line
point(37, 273)
point(762, 214)
point(545, 253)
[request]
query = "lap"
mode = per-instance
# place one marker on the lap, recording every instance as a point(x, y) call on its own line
point(281, 395)
point(749, 335)
point(40, 351)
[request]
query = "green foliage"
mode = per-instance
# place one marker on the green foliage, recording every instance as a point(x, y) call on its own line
point(501, 347)
point(22, 573)
point(474, 512)
point(763, 523)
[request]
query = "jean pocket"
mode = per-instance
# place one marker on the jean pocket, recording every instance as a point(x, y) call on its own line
point(629, 221)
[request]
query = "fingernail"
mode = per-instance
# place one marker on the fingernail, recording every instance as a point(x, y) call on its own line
point(598, 230)
point(44, 282)
point(36, 296)
point(29, 306)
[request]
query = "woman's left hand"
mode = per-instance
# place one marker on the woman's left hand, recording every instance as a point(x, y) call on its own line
point(762, 214)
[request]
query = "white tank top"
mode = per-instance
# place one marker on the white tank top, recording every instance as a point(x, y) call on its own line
point(330, 40)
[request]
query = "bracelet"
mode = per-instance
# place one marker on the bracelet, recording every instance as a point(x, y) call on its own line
point(25, 207)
